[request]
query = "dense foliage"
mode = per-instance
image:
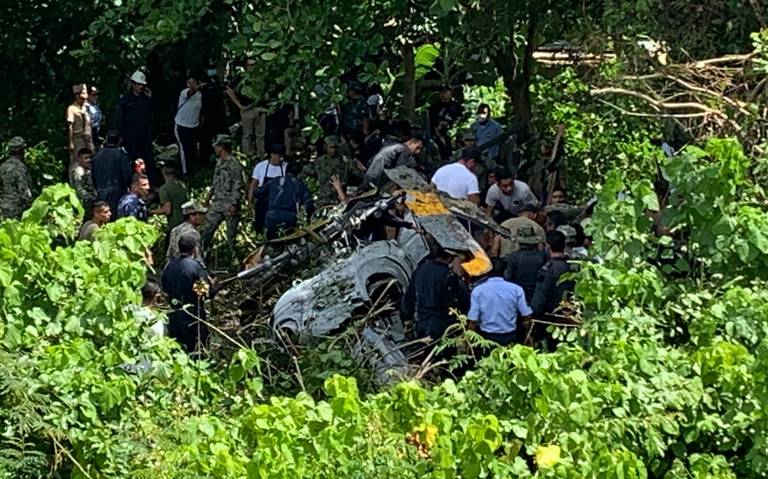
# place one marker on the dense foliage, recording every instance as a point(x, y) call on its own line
point(665, 379)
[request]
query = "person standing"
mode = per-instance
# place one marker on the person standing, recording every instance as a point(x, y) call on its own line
point(15, 181)
point(264, 172)
point(392, 156)
point(523, 265)
point(134, 119)
point(100, 215)
point(549, 289)
point(194, 217)
point(332, 163)
point(252, 116)
point(497, 307)
point(486, 129)
point(81, 179)
point(283, 197)
point(434, 289)
point(78, 123)
point(458, 179)
point(445, 109)
point(97, 116)
point(213, 117)
point(185, 281)
point(172, 195)
point(111, 171)
point(133, 203)
point(355, 116)
point(187, 121)
point(226, 191)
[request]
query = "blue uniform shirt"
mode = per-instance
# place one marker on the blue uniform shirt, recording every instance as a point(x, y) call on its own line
point(132, 205)
point(485, 132)
point(496, 304)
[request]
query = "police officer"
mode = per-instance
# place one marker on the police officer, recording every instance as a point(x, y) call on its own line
point(524, 264)
point(194, 217)
point(185, 281)
point(434, 289)
point(284, 196)
point(225, 193)
point(549, 289)
point(15, 181)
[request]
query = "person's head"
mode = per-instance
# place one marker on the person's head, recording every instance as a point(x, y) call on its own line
point(580, 238)
point(149, 293)
point(112, 138)
point(332, 145)
point(192, 82)
point(467, 138)
point(187, 244)
point(17, 147)
point(276, 154)
point(194, 213)
point(471, 158)
point(84, 156)
point(101, 212)
point(506, 181)
point(80, 92)
point(415, 143)
point(446, 94)
point(483, 112)
point(558, 196)
point(354, 90)
point(556, 243)
point(250, 63)
point(555, 218)
point(492, 177)
point(93, 95)
point(527, 237)
point(570, 235)
point(138, 82)
point(170, 170)
point(529, 211)
point(222, 146)
point(140, 185)
point(498, 266)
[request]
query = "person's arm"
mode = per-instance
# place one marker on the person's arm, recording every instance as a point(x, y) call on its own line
point(474, 198)
point(473, 192)
point(233, 96)
point(335, 181)
point(474, 308)
point(306, 200)
point(511, 270)
point(496, 247)
point(252, 187)
point(70, 130)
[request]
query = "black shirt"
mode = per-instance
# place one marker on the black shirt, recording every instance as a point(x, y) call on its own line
point(432, 292)
point(111, 172)
point(179, 277)
point(549, 289)
point(523, 268)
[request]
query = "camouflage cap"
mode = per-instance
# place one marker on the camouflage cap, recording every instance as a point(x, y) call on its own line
point(192, 207)
point(222, 140)
point(569, 232)
point(332, 140)
point(17, 143)
point(527, 235)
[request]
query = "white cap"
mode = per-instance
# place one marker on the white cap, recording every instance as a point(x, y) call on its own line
point(139, 77)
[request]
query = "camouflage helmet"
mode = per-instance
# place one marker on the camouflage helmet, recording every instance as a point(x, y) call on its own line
point(467, 135)
point(192, 207)
point(527, 235)
point(222, 140)
point(332, 140)
point(17, 143)
point(569, 232)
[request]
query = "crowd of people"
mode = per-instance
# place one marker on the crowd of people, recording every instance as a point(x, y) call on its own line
point(116, 173)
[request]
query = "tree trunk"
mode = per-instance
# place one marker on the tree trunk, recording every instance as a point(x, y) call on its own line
point(409, 83)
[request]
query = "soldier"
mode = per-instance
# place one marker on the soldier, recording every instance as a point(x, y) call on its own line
point(328, 165)
point(194, 217)
point(15, 182)
point(524, 264)
point(172, 194)
point(80, 178)
point(79, 123)
point(225, 193)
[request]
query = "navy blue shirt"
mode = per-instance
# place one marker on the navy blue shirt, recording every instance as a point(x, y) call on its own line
point(135, 121)
point(287, 193)
point(132, 205)
point(111, 173)
point(179, 278)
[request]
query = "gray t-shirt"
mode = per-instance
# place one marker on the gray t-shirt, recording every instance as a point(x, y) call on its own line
point(521, 195)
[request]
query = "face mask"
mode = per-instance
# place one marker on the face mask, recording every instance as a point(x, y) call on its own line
point(482, 119)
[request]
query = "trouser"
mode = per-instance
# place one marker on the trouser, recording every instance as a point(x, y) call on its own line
point(503, 339)
point(434, 328)
point(254, 122)
point(187, 330)
point(213, 220)
point(187, 141)
point(277, 220)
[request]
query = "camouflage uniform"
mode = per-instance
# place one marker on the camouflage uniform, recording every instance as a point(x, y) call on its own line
point(176, 233)
point(81, 180)
point(227, 189)
point(322, 169)
point(15, 184)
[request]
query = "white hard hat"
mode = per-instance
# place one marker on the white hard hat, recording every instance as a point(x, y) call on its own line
point(139, 77)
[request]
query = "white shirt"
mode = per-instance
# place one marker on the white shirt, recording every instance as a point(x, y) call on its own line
point(264, 169)
point(521, 195)
point(188, 112)
point(456, 180)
